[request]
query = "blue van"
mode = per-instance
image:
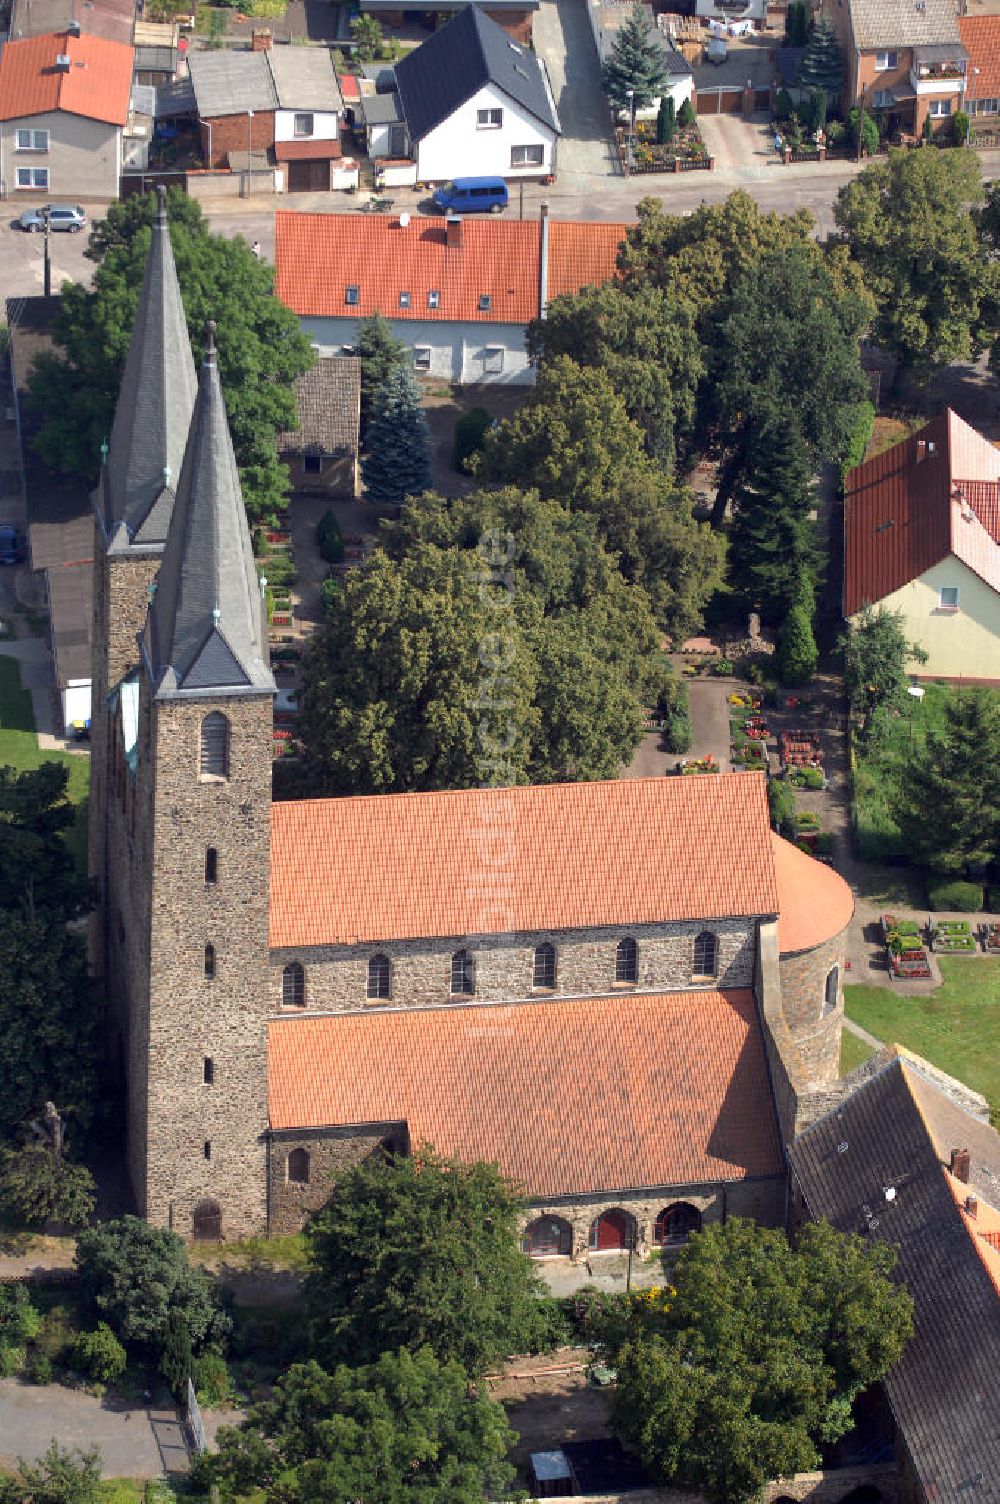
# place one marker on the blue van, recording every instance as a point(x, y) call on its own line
point(472, 195)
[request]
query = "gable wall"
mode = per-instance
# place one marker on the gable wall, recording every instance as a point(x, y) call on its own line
point(959, 644)
point(459, 148)
point(83, 159)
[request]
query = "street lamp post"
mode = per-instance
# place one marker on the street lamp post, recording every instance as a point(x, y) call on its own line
point(249, 153)
point(631, 124)
point(47, 283)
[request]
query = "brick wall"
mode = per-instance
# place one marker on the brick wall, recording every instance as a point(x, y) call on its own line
point(226, 133)
point(336, 976)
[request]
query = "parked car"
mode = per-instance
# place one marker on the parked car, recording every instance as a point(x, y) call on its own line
point(61, 217)
point(472, 195)
point(11, 545)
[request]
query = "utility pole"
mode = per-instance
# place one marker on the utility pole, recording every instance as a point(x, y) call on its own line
point(47, 258)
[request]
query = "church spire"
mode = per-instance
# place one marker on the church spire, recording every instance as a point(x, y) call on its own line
point(135, 495)
point(207, 629)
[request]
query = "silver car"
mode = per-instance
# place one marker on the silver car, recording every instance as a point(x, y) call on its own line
point(61, 217)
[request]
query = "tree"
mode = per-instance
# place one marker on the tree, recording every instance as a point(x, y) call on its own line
point(261, 349)
point(947, 801)
point(380, 353)
point(61, 1476)
point(666, 121)
point(398, 461)
point(635, 64)
point(908, 225)
point(176, 1357)
point(822, 63)
point(366, 32)
point(406, 1427)
point(421, 1250)
point(136, 1275)
point(755, 1357)
point(772, 546)
point(796, 23)
point(100, 1355)
point(876, 653)
point(797, 653)
point(38, 1186)
point(37, 870)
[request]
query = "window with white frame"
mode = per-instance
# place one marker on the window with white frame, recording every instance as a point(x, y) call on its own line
point(302, 125)
point(885, 61)
point(352, 295)
point(489, 119)
point(527, 156)
point(31, 140)
point(984, 106)
point(421, 357)
point(939, 107)
point(33, 177)
point(404, 300)
point(882, 99)
point(949, 597)
point(434, 298)
point(493, 360)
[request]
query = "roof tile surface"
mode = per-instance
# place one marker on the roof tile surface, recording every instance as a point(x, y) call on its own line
point(815, 903)
point(901, 23)
point(566, 1097)
point(981, 39)
point(582, 254)
point(328, 399)
point(97, 84)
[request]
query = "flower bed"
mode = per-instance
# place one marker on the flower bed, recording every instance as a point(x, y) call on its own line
point(754, 754)
point(902, 927)
point(991, 937)
point(685, 152)
point(952, 936)
point(706, 764)
point(911, 966)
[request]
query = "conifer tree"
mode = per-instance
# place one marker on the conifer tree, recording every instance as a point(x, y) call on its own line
point(822, 65)
point(771, 547)
point(636, 63)
point(379, 352)
point(398, 461)
point(947, 801)
point(797, 651)
point(666, 121)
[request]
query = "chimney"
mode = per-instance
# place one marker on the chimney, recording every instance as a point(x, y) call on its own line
point(453, 232)
point(960, 1165)
point(73, 28)
point(63, 63)
point(921, 450)
point(260, 39)
point(971, 1206)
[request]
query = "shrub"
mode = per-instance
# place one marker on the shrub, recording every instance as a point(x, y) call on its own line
point(952, 893)
point(328, 538)
point(960, 125)
point(11, 1360)
point(783, 107)
point(797, 652)
point(212, 1381)
point(40, 1369)
point(38, 1187)
point(57, 1335)
point(674, 716)
point(835, 132)
point(19, 1321)
point(666, 121)
point(685, 115)
point(860, 435)
point(469, 431)
point(869, 130)
point(99, 1354)
point(781, 804)
point(806, 778)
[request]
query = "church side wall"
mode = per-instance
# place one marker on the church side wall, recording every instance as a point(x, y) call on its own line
point(336, 977)
point(816, 1026)
point(330, 1151)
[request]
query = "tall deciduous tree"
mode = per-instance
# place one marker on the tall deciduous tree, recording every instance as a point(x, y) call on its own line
point(260, 347)
point(947, 801)
point(406, 1427)
point(398, 461)
point(822, 63)
point(876, 654)
point(908, 224)
point(380, 353)
point(636, 63)
point(772, 546)
point(416, 1250)
point(755, 1358)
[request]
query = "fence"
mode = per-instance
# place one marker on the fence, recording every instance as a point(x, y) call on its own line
point(193, 1420)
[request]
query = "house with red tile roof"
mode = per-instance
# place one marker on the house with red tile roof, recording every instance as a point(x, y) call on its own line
point(922, 537)
point(64, 107)
point(981, 40)
point(458, 293)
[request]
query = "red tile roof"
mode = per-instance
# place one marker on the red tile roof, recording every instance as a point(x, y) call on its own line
point(587, 1095)
point(97, 83)
point(556, 856)
point(582, 254)
point(814, 902)
point(903, 514)
point(981, 40)
point(306, 151)
point(317, 256)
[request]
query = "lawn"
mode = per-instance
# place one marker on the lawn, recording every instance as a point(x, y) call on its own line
point(956, 1027)
point(19, 749)
point(853, 1052)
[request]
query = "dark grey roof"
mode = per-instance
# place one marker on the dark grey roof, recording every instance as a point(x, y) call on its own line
point(136, 491)
point(786, 64)
point(328, 399)
point(455, 62)
point(304, 78)
point(230, 83)
point(895, 1133)
point(382, 109)
point(206, 632)
point(175, 99)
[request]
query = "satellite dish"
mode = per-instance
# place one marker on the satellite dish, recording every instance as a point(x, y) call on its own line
point(890, 1193)
point(404, 220)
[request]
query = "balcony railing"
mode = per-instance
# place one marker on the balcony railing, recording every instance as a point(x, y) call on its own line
point(938, 78)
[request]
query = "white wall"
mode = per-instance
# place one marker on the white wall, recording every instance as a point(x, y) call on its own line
point(325, 126)
point(84, 158)
point(459, 148)
point(457, 348)
point(680, 90)
point(75, 703)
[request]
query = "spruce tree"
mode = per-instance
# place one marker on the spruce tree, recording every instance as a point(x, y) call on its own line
point(822, 65)
point(666, 121)
point(379, 352)
point(636, 63)
point(397, 464)
point(946, 800)
point(771, 548)
point(176, 1360)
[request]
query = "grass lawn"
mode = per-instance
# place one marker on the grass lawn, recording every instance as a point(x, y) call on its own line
point(285, 1252)
point(853, 1052)
point(956, 1027)
point(19, 749)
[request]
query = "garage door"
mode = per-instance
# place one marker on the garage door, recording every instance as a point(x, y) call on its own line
point(308, 177)
point(719, 101)
point(730, 101)
point(706, 102)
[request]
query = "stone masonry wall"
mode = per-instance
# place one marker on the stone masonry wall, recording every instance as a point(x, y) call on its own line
point(816, 1031)
point(329, 1150)
point(336, 976)
point(206, 1140)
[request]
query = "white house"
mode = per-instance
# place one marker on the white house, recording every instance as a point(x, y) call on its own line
point(607, 17)
point(477, 104)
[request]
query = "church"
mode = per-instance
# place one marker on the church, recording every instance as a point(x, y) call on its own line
point(627, 994)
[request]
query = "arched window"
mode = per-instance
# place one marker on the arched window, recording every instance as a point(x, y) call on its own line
point(611, 1232)
point(627, 960)
point(706, 954)
point(206, 1222)
point(548, 1237)
point(831, 989)
point(544, 975)
point(211, 865)
point(463, 974)
point(215, 745)
point(379, 976)
point(293, 986)
point(297, 1167)
point(210, 961)
point(676, 1223)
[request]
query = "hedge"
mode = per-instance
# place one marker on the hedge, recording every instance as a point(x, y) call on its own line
point(954, 894)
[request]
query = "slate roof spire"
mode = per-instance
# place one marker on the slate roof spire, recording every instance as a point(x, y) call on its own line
point(206, 633)
point(134, 497)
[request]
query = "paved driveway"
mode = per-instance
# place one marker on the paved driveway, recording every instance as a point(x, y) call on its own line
point(742, 146)
point(564, 39)
point(135, 1442)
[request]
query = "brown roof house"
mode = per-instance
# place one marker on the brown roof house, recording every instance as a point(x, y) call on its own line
point(922, 536)
point(322, 453)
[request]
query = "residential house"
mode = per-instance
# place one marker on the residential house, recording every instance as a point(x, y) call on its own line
point(281, 98)
point(905, 1158)
point(904, 60)
point(607, 17)
point(922, 537)
point(515, 16)
point(981, 40)
point(113, 20)
point(64, 111)
point(477, 103)
point(322, 453)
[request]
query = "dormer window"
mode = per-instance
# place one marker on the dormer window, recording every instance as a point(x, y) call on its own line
point(485, 302)
point(352, 296)
point(434, 298)
point(404, 300)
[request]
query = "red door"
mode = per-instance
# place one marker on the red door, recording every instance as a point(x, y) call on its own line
point(612, 1232)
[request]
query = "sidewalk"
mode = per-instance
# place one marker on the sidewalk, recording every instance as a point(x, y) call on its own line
point(136, 1441)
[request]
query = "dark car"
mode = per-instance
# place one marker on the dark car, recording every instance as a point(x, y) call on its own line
point(11, 545)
